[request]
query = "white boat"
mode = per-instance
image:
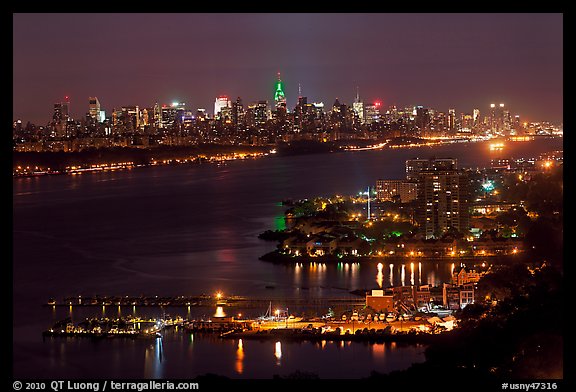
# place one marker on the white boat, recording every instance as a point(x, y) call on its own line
point(268, 316)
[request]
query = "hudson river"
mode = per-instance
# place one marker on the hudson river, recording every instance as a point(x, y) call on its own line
point(192, 229)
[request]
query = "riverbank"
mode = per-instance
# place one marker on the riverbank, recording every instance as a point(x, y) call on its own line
point(26, 164)
point(277, 257)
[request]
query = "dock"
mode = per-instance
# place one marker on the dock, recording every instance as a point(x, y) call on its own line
point(207, 301)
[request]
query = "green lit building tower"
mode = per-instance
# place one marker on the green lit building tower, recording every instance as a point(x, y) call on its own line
point(279, 96)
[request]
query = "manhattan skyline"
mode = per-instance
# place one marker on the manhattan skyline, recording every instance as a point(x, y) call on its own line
point(440, 61)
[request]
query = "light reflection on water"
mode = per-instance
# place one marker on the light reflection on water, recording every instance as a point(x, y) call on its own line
point(240, 357)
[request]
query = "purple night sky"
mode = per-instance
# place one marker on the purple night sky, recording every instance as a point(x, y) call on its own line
point(442, 61)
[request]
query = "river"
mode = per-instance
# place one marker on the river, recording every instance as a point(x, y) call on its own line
point(192, 229)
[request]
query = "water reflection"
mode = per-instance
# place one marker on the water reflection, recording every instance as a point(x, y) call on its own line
point(378, 350)
point(219, 312)
point(240, 357)
point(153, 366)
point(420, 273)
point(278, 352)
point(431, 277)
point(379, 275)
point(351, 276)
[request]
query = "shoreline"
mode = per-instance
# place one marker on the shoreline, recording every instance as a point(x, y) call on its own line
point(276, 258)
point(93, 166)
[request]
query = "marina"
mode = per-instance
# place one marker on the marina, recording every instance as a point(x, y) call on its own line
point(357, 323)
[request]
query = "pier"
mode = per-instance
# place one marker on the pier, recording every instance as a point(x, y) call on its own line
point(207, 301)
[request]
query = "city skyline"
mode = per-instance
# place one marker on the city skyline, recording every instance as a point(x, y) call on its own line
point(514, 58)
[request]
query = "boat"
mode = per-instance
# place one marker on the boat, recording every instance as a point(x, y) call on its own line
point(292, 319)
point(268, 316)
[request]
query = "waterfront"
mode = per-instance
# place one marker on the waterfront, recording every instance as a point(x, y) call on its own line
point(190, 229)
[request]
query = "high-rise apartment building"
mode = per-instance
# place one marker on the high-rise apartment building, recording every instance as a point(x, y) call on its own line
point(389, 190)
point(415, 166)
point(443, 196)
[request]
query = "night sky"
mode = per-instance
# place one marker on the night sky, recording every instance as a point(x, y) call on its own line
point(461, 61)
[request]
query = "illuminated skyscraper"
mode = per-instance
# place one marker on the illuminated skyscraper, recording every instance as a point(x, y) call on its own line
point(476, 117)
point(358, 107)
point(372, 113)
point(301, 113)
point(222, 103)
point(172, 114)
point(451, 120)
point(61, 116)
point(466, 122)
point(443, 197)
point(131, 117)
point(497, 117)
point(257, 114)
point(61, 111)
point(157, 115)
point(415, 166)
point(422, 119)
point(279, 95)
point(238, 113)
point(94, 109)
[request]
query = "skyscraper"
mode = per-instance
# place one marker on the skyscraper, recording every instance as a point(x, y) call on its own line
point(476, 117)
point(60, 117)
point(257, 114)
point(422, 119)
point(279, 95)
point(466, 122)
point(301, 113)
point(238, 113)
point(417, 165)
point(170, 115)
point(94, 108)
point(372, 113)
point(443, 197)
point(222, 103)
point(358, 107)
point(497, 118)
point(451, 120)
